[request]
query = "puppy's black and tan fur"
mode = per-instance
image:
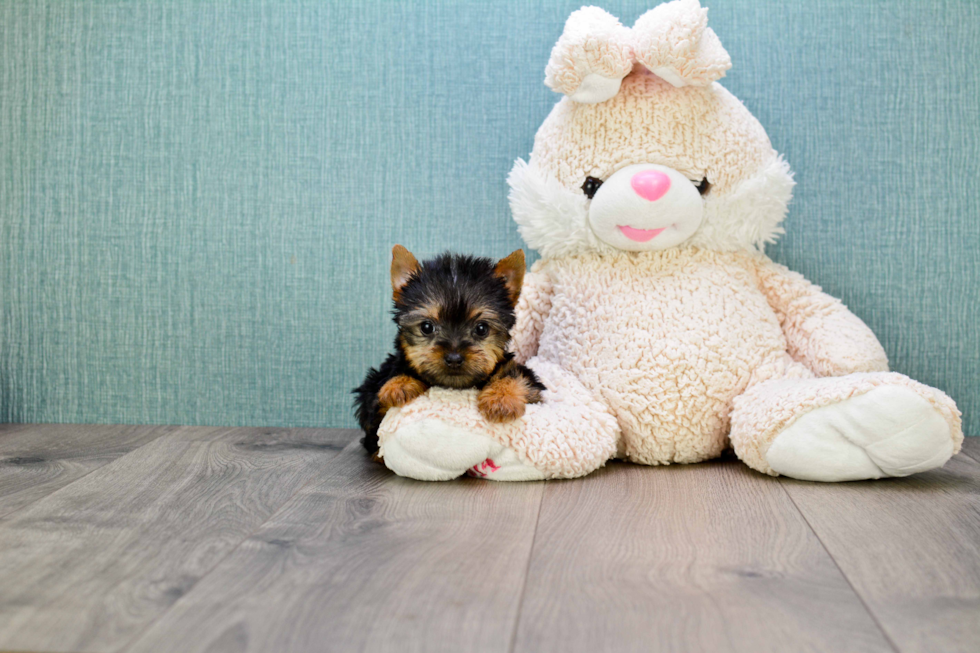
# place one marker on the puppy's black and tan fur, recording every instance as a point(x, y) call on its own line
point(454, 316)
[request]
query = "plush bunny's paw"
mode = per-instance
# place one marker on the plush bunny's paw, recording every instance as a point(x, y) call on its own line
point(889, 431)
point(434, 450)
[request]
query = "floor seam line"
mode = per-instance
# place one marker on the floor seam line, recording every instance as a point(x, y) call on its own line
point(527, 572)
point(860, 598)
point(135, 639)
point(6, 515)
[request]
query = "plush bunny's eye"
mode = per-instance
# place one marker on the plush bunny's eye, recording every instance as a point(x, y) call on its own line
point(703, 186)
point(590, 186)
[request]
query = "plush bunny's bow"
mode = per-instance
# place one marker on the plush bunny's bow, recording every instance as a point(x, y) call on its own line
point(673, 41)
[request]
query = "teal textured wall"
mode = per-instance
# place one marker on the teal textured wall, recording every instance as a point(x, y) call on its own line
point(198, 199)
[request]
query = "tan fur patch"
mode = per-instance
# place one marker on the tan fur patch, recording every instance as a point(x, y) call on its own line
point(422, 313)
point(425, 359)
point(511, 269)
point(485, 355)
point(431, 311)
point(403, 266)
point(503, 399)
point(400, 390)
point(478, 361)
point(480, 312)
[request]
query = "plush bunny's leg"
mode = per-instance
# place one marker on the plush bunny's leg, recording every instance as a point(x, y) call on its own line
point(854, 427)
point(441, 436)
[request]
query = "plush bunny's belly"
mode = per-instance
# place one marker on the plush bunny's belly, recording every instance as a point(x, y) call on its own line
point(668, 339)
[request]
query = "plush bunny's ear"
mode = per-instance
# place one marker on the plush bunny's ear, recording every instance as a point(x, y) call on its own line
point(675, 43)
point(591, 58)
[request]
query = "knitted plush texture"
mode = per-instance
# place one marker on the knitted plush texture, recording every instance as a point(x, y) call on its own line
point(674, 354)
point(675, 42)
point(818, 328)
point(667, 339)
point(593, 43)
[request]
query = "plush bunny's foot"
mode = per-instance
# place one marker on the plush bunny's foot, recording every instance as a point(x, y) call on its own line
point(434, 450)
point(857, 427)
point(889, 431)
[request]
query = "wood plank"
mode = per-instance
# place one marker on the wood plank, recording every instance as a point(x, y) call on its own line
point(707, 557)
point(911, 549)
point(37, 459)
point(366, 560)
point(971, 448)
point(92, 565)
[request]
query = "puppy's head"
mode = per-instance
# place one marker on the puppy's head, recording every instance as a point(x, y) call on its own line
point(454, 313)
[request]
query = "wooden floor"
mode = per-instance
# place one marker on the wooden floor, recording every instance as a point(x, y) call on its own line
point(134, 538)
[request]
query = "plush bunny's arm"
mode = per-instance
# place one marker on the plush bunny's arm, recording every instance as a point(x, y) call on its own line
point(532, 309)
point(821, 332)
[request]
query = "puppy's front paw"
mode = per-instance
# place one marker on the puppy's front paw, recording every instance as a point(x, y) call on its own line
point(503, 400)
point(400, 390)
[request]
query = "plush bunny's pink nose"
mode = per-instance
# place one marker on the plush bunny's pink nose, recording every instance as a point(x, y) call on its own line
point(650, 184)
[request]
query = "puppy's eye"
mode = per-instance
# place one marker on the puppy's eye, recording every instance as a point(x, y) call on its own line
point(482, 330)
point(427, 328)
point(590, 186)
point(703, 186)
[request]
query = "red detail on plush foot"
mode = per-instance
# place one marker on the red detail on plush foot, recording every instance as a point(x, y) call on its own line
point(482, 469)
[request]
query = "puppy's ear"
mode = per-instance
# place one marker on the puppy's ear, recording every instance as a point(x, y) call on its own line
point(403, 266)
point(511, 270)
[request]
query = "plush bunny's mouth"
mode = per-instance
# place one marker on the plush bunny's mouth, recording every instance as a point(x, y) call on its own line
point(630, 208)
point(640, 235)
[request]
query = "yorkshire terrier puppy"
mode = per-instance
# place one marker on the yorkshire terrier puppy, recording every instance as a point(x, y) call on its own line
point(454, 316)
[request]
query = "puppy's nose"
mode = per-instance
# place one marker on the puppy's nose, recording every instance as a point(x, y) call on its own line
point(453, 359)
point(651, 185)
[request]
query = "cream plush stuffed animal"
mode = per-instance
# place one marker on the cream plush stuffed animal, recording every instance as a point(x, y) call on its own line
point(662, 331)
